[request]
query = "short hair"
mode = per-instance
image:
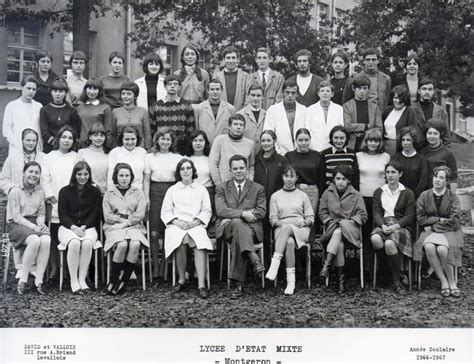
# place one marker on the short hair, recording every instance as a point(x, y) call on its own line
point(31, 164)
point(42, 53)
point(395, 164)
point(160, 133)
point(289, 83)
point(335, 130)
point(116, 54)
point(302, 131)
point(371, 50)
point(27, 79)
point(403, 94)
point(410, 57)
point(98, 128)
point(230, 49)
point(326, 83)
point(237, 117)
point(440, 125)
point(236, 158)
point(263, 50)
point(59, 84)
point(304, 52)
point(129, 129)
point(344, 169)
point(120, 166)
point(289, 168)
point(152, 57)
point(130, 86)
point(255, 86)
point(342, 55)
point(373, 134)
point(195, 134)
point(60, 133)
point(214, 80)
point(269, 132)
point(79, 166)
point(426, 81)
point(92, 82)
point(415, 136)
point(443, 168)
point(177, 175)
point(78, 55)
point(361, 81)
point(172, 77)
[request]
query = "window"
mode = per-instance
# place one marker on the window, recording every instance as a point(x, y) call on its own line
point(67, 51)
point(323, 16)
point(166, 54)
point(340, 15)
point(23, 43)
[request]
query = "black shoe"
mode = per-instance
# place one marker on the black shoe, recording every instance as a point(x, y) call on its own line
point(178, 287)
point(203, 293)
point(238, 292)
point(404, 279)
point(78, 292)
point(40, 289)
point(258, 268)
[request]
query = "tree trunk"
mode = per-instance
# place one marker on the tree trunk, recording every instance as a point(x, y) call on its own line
point(80, 27)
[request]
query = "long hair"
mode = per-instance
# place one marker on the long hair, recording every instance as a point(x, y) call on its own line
point(162, 132)
point(79, 166)
point(195, 134)
point(60, 133)
point(182, 73)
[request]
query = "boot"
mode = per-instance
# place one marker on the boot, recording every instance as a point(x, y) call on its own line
point(394, 262)
point(327, 264)
point(340, 277)
point(273, 270)
point(290, 281)
point(116, 268)
point(127, 272)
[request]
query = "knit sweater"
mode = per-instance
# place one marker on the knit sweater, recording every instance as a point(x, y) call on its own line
point(372, 171)
point(222, 149)
point(437, 156)
point(331, 159)
point(91, 114)
point(112, 90)
point(307, 166)
point(416, 175)
point(137, 117)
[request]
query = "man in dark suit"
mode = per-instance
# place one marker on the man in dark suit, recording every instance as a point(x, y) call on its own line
point(240, 207)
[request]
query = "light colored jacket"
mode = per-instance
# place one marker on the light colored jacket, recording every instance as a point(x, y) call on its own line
point(142, 99)
point(253, 128)
point(242, 85)
point(213, 126)
point(277, 121)
point(273, 85)
point(320, 127)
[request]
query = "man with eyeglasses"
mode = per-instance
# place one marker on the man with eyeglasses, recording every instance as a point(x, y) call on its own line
point(76, 79)
point(380, 83)
point(173, 113)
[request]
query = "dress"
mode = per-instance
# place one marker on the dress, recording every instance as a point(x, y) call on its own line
point(403, 212)
point(18, 116)
point(291, 207)
point(118, 208)
point(349, 210)
point(428, 215)
point(24, 207)
point(186, 202)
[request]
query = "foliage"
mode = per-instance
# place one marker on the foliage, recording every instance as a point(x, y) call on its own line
point(283, 26)
point(439, 31)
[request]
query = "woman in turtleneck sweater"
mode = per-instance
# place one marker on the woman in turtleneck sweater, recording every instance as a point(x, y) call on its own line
point(151, 86)
point(193, 79)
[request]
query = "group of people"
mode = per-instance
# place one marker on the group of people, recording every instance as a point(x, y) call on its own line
point(243, 158)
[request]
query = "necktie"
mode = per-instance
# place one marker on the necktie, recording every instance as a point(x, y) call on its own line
point(239, 187)
point(264, 82)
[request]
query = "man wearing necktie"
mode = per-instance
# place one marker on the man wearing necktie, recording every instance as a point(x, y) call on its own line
point(240, 207)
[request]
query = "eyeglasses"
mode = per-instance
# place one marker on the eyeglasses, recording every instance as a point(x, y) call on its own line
point(371, 59)
point(185, 168)
point(78, 62)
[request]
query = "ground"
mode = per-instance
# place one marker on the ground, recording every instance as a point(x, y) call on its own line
point(317, 307)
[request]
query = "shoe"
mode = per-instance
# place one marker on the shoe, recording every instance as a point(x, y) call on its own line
point(404, 279)
point(40, 289)
point(258, 268)
point(178, 287)
point(78, 292)
point(399, 289)
point(340, 277)
point(109, 290)
point(445, 292)
point(86, 290)
point(238, 292)
point(290, 281)
point(119, 289)
point(21, 288)
point(273, 270)
point(455, 293)
point(203, 293)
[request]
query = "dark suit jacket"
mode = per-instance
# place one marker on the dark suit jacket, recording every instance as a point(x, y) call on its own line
point(230, 206)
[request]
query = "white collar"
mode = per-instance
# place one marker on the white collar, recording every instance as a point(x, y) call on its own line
point(181, 185)
point(334, 150)
point(242, 184)
point(385, 188)
point(409, 155)
point(95, 102)
point(438, 194)
point(169, 99)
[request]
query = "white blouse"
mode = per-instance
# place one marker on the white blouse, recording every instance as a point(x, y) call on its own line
point(136, 160)
point(390, 123)
point(162, 166)
point(389, 199)
point(202, 166)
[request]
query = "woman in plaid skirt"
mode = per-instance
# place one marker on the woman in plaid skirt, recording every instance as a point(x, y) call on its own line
point(394, 221)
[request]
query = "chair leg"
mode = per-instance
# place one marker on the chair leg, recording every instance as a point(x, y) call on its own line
point(374, 282)
point(150, 268)
point(208, 272)
point(221, 265)
point(102, 266)
point(173, 269)
point(228, 265)
point(261, 259)
point(361, 268)
point(308, 266)
point(7, 250)
point(143, 271)
point(109, 266)
point(96, 269)
point(418, 273)
point(61, 269)
point(409, 274)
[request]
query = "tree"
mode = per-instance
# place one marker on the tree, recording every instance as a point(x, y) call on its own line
point(284, 26)
point(439, 31)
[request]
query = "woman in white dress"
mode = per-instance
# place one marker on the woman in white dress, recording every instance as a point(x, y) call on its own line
point(186, 212)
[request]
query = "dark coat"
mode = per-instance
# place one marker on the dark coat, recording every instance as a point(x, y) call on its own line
point(268, 172)
point(408, 118)
point(74, 211)
point(229, 206)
